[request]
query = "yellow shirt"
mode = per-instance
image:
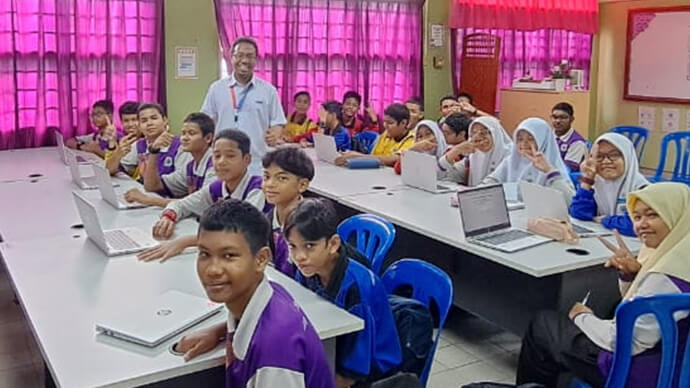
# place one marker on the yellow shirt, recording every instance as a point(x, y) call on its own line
point(135, 174)
point(293, 129)
point(387, 146)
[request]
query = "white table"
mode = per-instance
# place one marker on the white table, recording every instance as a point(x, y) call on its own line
point(18, 165)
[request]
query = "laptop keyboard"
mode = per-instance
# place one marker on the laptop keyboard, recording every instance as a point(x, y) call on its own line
point(501, 238)
point(119, 240)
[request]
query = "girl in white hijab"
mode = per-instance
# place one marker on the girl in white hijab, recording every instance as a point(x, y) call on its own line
point(609, 173)
point(488, 145)
point(428, 139)
point(534, 158)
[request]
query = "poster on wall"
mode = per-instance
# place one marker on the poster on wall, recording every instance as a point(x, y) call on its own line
point(186, 62)
point(646, 117)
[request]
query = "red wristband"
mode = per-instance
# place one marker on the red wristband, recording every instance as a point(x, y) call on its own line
point(169, 214)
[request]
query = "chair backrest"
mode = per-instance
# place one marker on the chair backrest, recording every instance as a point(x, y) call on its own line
point(637, 135)
point(663, 307)
point(365, 141)
point(429, 283)
point(681, 165)
point(373, 235)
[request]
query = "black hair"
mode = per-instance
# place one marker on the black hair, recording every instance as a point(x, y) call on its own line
point(352, 94)
point(244, 39)
point(239, 217)
point(334, 107)
point(458, 123)
point(417, 101)
point(397, 112)
point(292, 160)
point(448, 97)
point(313, 218)
point(106, 105)
point(301, 93)
point(128, 108)
point(152, 105)
point(565, 107)
point(239, 137)
point(467, 96)
point(204, 121)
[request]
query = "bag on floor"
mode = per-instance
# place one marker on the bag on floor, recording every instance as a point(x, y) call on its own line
point(415, 330)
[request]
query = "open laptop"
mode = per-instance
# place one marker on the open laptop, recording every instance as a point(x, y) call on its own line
point(154, 322)
point(325, 148)
point(105, 186)
point(542, 201)
point(62, 149)
point(115, 241)
point(87, 183)
point(486, 222)
point(419, 170)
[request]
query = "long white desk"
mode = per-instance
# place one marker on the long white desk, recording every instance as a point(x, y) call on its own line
point(31, 163)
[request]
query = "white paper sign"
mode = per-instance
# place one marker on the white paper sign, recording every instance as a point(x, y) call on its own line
point(670, 121)
point(646, 117)
point(436, 35)
point(186, 62)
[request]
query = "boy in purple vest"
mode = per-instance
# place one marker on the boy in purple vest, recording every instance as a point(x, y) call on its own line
point(196, 139)
point(269, 340)
point(101, 117)
point(231, 158)
point(570, 143)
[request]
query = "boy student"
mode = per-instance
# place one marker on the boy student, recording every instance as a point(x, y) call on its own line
point(397, 137)
point(455, 128)
point(101, 117)
point(299, 125)
point(118, 149)
point(352, 101)
point(196, 139)
point(231, 159)
point(327, 266)
point(466, 107)
point(269, 340)
point(330, 123)
point(571, 144)
point(416, 107)
point(446, 105)
point(287, 173)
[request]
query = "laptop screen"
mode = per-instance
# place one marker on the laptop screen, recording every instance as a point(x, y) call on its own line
point(483, 210)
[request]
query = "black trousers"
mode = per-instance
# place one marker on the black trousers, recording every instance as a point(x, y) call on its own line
point(554, 349)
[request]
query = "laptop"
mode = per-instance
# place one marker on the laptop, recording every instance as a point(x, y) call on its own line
point(154, 322)
point(62, 149)
point(486, 222)
point(419, 171)
point(87, 183)
point(325, 148)
point(542, 201)
point(115, 241)
point(105, 186)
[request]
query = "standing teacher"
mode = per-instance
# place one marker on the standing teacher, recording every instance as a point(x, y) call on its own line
point(247, 103)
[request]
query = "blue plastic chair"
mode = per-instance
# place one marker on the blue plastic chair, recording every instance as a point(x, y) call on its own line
point(637, 135)
point(374, 237)
point(663, 307)
point(681, 166)
point(429, 283)
point(366, 140)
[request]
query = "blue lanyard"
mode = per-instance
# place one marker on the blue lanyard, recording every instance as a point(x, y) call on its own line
point(238, 106)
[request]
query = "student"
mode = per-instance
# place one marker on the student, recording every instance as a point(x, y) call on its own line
point(231, 159)
point(118, 148)
point(455, 128)
point(299, 124)
point(326, 266)
point(416, 107)
point(582, 343)
point(489, 144)
point(330, 123)
point(287, 173)
point(196, 139)
point(608, 175)
point(467, 108)
point(535, 159)
point(446, 107)
point(396, 138)
point(270, 342)
point(352, 101)
point(102, 119)
point(428, 139)
point(571, 144)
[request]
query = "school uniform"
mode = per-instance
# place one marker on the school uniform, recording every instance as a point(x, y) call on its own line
point(193, 176)
point(373, 352)
point(295, 131)
point(342, 138)
point(281, 253)
point(170, 159)
point(96, 137)
point(357, 125)
point(572, 147)
point(441, 145)
point(387, 146)
point(248, 189)
point(274, 345)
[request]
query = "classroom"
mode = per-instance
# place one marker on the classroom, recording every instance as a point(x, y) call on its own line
point(345, 193)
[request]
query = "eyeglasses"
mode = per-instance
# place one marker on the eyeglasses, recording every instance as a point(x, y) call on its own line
point(612, 156)
point(242, 56)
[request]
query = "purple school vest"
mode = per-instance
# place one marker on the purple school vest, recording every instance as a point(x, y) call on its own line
point(564, 146)
point(166, 160)
point(644, 369)
point(195, 182)
point(281, 253)
point(103, 144)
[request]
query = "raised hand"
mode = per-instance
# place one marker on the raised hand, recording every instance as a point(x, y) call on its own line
point(424, 146)
point(589, 166)
point(372, 114)
point(622, 260)
point(163, 140)
point(539, 161)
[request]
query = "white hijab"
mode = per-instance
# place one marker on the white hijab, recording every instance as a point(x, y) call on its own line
point(610, 193)
point(483, 163)
point(516, 168)
point(441, 144)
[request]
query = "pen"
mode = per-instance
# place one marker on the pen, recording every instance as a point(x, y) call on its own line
point(584, 301)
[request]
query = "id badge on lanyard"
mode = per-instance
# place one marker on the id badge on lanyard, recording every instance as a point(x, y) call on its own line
point(237, 105)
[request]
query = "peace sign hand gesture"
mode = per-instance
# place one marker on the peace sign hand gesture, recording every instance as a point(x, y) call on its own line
point(622, 260)
point(589, 165)
point(539, 161)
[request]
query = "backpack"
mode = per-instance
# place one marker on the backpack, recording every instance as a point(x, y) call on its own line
point(415, 331)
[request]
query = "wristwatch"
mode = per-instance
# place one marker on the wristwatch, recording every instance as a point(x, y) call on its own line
point(153, 150)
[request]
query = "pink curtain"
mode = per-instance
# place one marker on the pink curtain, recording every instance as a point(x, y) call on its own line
point(327, 47)
point(57, 57)
point(535, 52)
point(572, 15)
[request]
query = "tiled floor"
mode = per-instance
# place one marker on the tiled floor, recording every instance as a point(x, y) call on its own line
point(470, 349)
